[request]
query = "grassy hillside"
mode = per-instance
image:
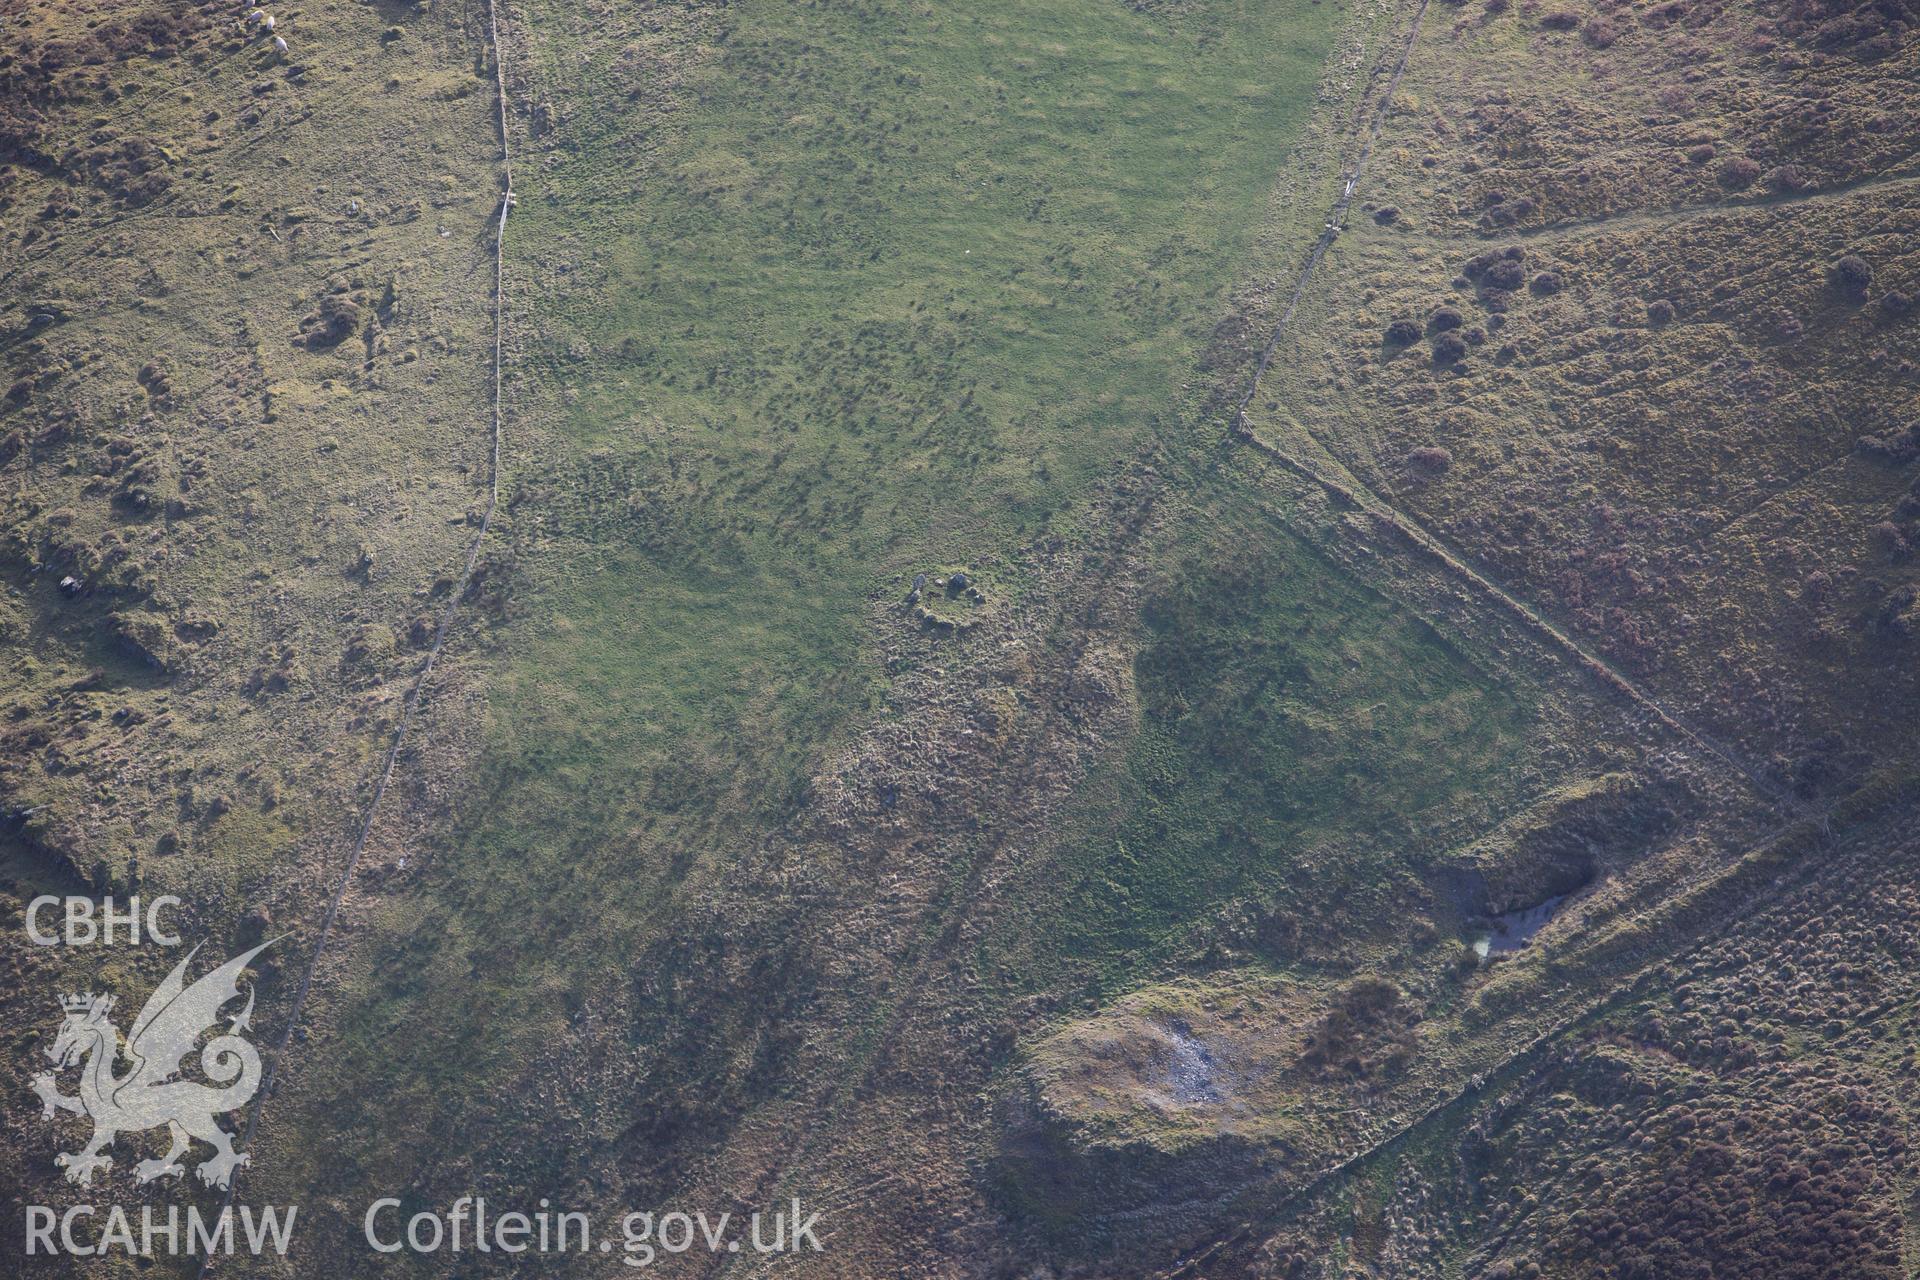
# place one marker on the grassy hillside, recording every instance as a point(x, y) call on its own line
point(243, 351)
point(1122, 637)
point(795, 321)
point(1299, 734)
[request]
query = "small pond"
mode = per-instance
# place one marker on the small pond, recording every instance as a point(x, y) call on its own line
point(1512, 930)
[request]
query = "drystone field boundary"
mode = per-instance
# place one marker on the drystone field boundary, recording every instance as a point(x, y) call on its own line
point(417, 690)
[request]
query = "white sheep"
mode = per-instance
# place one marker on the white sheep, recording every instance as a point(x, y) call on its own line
point(280, 43)
point(256, 17)
point(266, 23)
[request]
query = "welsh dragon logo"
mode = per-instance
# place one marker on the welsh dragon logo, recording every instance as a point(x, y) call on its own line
point(148, 1094)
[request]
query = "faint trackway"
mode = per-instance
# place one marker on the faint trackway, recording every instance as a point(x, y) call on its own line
point(1653, 219)
point(1353, 494)
point(968, 895)
point(1357, 494)
point(447, 611)
point(1335, 217)
point(177, 208)
point(97, 232)
point(1506, 1071)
